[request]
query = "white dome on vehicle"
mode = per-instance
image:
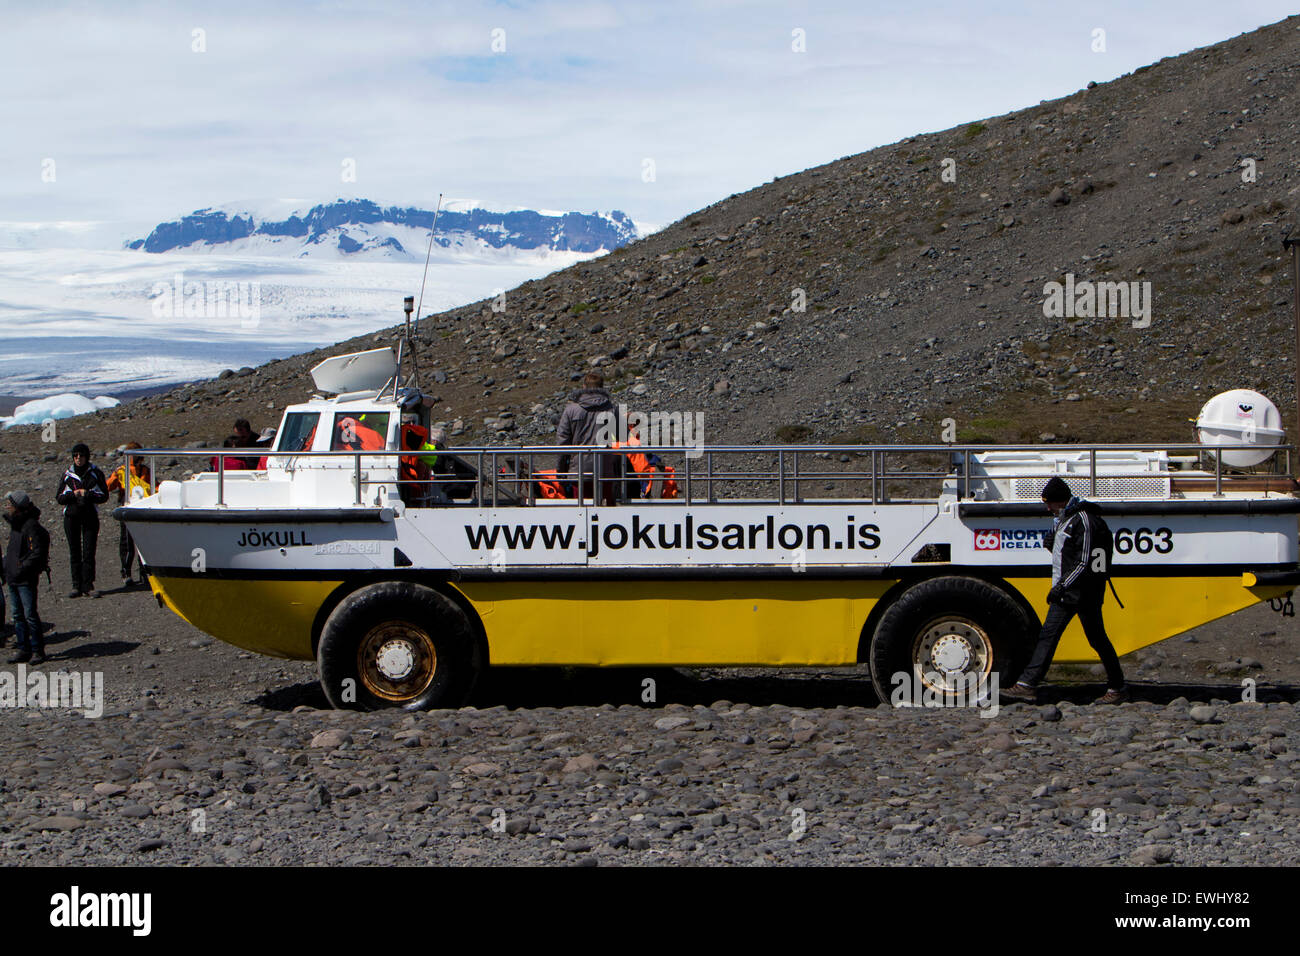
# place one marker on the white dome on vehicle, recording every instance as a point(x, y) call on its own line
point(1244, 418)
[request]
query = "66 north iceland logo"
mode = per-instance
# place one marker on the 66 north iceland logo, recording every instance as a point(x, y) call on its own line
point(994, 539)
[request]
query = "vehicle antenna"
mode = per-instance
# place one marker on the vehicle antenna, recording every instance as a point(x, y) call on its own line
point(408, 304)
point(406, 307)
point(427, 255)
point(1293, 244)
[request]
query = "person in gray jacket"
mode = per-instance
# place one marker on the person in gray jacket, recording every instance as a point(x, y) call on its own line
point(25, 557)
point(587, 419)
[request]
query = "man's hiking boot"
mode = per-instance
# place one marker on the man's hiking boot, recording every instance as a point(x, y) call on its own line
point(38, 657)
point(94, 593)
point(22, 657)
point(74, 594)
point(1113, 696)
point(1022, 693)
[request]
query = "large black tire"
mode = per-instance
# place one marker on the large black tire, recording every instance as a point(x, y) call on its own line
point(946, 634)
point(397, 644)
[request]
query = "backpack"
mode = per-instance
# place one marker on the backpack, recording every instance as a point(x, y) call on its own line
point(1103, 540)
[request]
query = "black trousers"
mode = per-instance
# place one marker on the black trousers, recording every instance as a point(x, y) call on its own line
point(82, 531)
point(1058, 618)
point(126, 550)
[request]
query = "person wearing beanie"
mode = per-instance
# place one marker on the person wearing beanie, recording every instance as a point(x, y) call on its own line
point(1081, 544)
point(25, 556)
point(81, 490)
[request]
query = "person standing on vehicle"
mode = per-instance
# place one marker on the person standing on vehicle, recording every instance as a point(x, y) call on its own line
point(589, 413)
point(25, 557)
point(137, 486)
point(81, 490)
point(244, 437)
point(230, 462)
point(1079, 541)
point(414, 476)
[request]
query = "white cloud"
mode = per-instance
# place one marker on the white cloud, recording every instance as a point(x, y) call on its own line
point(140, 127)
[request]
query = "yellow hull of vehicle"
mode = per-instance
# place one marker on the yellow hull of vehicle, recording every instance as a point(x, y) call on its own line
point(269, 617)
point(618, 623)
point(762, 622)
point(1155, 608)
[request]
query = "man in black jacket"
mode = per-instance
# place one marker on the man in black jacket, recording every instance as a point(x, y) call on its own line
point(24, 559)
point(245, 437)
point(81, 489)
point(1078, 587)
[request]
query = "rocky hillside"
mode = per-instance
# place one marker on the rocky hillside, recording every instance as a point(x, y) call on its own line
point(924, 297)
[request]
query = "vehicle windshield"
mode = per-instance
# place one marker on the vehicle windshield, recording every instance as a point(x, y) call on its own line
point(298, 432)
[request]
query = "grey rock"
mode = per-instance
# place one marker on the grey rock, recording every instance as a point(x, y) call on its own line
point(334, 737)
point(1152, 854)
point(671, 723)
point(59, 822)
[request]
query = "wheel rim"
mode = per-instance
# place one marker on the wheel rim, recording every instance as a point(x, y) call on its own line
point(952, 655)
point(397, 661)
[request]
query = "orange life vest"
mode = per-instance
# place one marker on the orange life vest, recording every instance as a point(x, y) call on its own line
point(652, 470)
point(549, 484)
point(412, 468)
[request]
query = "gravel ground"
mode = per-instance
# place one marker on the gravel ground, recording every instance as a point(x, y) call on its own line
point(206, 754)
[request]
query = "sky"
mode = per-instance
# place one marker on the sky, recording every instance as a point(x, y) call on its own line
point(131, 113)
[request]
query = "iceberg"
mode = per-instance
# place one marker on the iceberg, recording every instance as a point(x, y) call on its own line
point(67, 405)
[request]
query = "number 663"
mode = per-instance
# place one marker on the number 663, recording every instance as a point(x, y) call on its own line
point(1144, 540)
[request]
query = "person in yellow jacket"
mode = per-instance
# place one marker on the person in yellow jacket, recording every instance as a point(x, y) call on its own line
point(436, 442)
point(138, 486)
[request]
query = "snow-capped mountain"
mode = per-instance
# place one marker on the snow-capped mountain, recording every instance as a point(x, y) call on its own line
point(91, 296)
point(361, 229)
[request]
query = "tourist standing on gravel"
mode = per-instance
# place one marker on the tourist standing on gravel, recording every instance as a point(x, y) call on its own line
point(81, 491)
point(138, 486)
point(25, 557)
point(1081, 546)
point(589, 413)
point(4, 624)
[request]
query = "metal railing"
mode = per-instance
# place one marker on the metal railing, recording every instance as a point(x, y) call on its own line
point(603, 475)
